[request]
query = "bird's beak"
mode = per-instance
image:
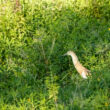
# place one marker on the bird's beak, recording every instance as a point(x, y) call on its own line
point(64, 54)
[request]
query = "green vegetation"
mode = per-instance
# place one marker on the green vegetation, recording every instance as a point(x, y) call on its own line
point(33, 73)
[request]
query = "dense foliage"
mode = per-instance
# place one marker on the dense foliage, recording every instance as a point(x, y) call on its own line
point(33, 73)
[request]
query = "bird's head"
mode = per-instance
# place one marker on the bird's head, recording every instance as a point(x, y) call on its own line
point(69, 53)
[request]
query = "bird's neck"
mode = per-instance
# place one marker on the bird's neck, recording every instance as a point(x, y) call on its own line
point(74, 59)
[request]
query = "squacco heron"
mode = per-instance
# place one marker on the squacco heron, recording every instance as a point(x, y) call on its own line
point(81, 69)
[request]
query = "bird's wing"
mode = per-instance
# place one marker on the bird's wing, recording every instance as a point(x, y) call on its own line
point(84, 75)
point(87, 70)
point(83, 68)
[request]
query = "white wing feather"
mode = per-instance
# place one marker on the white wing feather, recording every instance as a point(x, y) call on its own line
point(84, 75)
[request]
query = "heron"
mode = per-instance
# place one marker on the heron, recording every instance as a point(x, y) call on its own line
point(84, 72)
